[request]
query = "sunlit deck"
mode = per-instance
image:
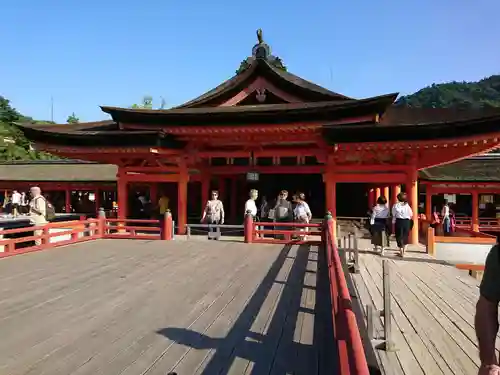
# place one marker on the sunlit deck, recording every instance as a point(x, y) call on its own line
point(432, 306)
point(149, 307)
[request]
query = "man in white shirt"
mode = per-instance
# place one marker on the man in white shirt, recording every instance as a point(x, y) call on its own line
point(16, 202)
point(38, 211)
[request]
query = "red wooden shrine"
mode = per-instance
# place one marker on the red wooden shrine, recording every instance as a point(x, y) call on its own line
point(265, 113)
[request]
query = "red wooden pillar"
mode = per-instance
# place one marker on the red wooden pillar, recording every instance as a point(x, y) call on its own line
point(122, 195)
point(377, 193)
point(67, 200)
point(234, 191)
point(182, 188)
point(396, 189)
point(428, 202)
point(331, 199)
point(412, 192)
point(475, 211)
point(371, 198)
point(385, 192)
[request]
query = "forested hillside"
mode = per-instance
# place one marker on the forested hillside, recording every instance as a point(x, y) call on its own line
point(13, 144)
point(484, 93)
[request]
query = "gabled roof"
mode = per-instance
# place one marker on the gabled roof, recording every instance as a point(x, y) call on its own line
point(260, 67)
point(254, 114)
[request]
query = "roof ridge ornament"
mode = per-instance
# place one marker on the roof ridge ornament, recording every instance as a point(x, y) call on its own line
point(261, 51)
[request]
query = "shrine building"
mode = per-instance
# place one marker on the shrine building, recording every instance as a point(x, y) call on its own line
point(273, 130)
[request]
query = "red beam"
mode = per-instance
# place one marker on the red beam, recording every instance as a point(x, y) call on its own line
point(386, 178)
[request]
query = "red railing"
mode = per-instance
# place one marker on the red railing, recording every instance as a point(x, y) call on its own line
point(82, 230)
point(296, 233)
point(45, 236)
point(352, 357)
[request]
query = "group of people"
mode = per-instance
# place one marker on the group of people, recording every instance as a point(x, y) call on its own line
point(282, 210)
point(383, 219)
point(35, 205)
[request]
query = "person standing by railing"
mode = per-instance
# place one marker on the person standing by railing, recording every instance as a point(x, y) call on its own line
point(378, 225)
point(213, 214)
point(38, 212)
point(486, 319)
point(282, 212)
point(402, 216)
point(302, 214)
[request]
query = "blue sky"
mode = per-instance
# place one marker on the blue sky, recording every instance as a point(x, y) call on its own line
point(109, 52)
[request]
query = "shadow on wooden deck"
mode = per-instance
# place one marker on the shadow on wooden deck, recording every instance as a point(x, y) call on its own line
point(275, 351)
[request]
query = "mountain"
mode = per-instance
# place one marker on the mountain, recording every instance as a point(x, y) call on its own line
point(484, 93)
point(13, 144)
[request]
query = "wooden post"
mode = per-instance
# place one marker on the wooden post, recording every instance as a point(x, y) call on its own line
point(248, 224)
point(412, 192)
point(475, 211)
point(331, 200)
point(101, 225)
point(431, 241)
point(396, 189)
point(67, 200)
point(122, 195)
point(182, 186)
point(428, 203)
point(377, 193)
point(167, 227)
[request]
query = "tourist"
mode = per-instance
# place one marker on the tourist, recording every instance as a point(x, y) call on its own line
point(402, 216)
point(213, 214)
point(38, 212)
point(486, 319)
point(445, 215)
point(16, 202)
point(302, 214)
point(250, 206)
point(379, 225)
point(283, 212)
point(265, 213)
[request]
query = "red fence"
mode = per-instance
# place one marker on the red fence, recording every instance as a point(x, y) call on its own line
point(282, 232)
point(352, 356)
point(34, 238)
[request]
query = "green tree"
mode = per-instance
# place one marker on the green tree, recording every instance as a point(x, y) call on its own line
point(72, 119)
point(147, 103)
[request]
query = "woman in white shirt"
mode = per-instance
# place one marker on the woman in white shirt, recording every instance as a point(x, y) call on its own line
point(378, 222)
point(302, 213)
point(402, 216)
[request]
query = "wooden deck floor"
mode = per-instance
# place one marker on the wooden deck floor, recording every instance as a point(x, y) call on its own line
point(433, 308)
point(147, 307)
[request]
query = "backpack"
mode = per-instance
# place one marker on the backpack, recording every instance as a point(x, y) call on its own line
point(50, 211)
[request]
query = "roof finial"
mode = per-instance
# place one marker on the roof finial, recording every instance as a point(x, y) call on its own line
point(259, 36)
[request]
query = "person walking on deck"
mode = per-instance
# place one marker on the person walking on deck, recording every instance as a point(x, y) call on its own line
point(486, 319)
point(402, 216)
point(38, 212)
point(378, 223)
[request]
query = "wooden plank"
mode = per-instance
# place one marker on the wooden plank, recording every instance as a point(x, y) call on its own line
point(107, 318)
point(436, 338)
point(370, 293)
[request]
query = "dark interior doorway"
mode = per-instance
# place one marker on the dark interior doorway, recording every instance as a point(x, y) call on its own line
point(352, 199)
